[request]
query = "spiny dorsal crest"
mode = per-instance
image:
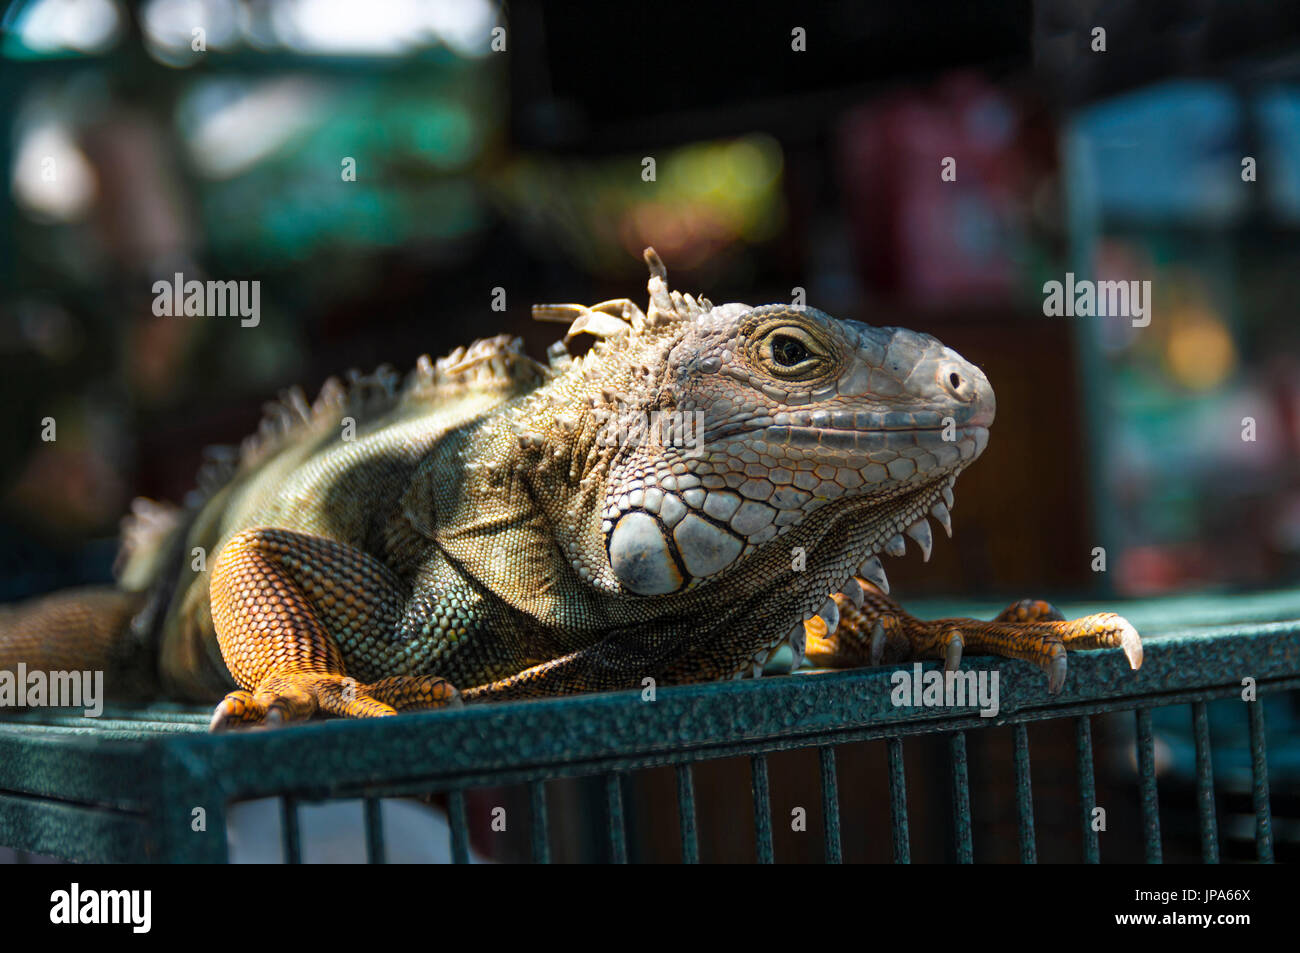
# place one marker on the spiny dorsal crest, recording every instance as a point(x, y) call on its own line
point(499, 359)
point(497, 364)
point(617, 317)
point(668, 306)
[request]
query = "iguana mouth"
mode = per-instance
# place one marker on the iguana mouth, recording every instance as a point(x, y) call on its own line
point(872, 421)
point(836, 438)
point(782, 425)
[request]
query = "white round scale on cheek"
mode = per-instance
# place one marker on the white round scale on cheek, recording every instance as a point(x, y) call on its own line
point(705, 548)
point(639, 556)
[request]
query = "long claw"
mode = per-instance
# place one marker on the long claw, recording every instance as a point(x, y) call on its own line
point(1056, 669)
point(952, 657)
point(877, 643)
point(1131, 642)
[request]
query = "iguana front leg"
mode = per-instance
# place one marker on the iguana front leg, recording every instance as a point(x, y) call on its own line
point(879, 631)
point(281, 601)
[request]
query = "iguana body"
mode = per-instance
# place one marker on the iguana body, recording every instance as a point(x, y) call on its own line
point(675, 504)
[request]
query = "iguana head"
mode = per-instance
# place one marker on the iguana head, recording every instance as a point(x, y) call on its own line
point(717, 471)
point(767, 415)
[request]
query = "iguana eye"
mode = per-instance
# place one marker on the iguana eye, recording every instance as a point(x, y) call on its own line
point(788, 351)
point(792, 353)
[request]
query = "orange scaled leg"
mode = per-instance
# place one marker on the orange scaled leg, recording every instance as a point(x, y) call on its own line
point(282, 602)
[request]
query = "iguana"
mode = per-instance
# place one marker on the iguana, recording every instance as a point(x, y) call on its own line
point(700, 487)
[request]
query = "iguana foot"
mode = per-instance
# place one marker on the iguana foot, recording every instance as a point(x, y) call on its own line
point(299, 696)
point(876, 630)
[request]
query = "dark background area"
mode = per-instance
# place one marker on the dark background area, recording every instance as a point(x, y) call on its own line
point(776, 169)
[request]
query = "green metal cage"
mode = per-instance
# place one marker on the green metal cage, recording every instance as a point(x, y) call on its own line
point(126, 786)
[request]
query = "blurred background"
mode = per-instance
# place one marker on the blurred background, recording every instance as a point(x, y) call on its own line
point(382, 168)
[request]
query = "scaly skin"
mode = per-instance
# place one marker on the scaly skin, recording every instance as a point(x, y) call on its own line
point(489, 530)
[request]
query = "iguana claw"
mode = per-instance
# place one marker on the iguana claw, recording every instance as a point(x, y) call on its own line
point(880, 631)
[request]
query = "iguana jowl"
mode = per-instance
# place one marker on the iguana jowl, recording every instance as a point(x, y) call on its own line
point(703, 485)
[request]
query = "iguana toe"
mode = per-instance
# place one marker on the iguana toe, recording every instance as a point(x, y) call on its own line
point(1030, 610)
point(297, 697)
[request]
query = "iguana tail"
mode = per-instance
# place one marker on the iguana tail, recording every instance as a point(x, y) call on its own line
point(105, 629)
point(80, 630)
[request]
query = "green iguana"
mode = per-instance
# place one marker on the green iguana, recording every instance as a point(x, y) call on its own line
point(704, 485)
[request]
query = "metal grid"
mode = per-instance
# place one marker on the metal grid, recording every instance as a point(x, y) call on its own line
point(123, 787)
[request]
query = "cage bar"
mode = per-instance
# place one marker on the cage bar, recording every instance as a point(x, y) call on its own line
point(290, 834)
point(459, 827)
point(1259, 783)
point(762, 809)
point(614, 809)
point(830, 804)
point(1087, 788)
point(1205, 784)
point(1147, 779)
point(686, 814)
point(961, 798)
point(541, 828)
point(374, 831)
point(898, 802)
point(1024, 797)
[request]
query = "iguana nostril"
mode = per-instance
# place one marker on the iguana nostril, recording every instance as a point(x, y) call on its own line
point(955, 383)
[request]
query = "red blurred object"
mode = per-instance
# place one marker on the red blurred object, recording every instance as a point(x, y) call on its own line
point(920, 238)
